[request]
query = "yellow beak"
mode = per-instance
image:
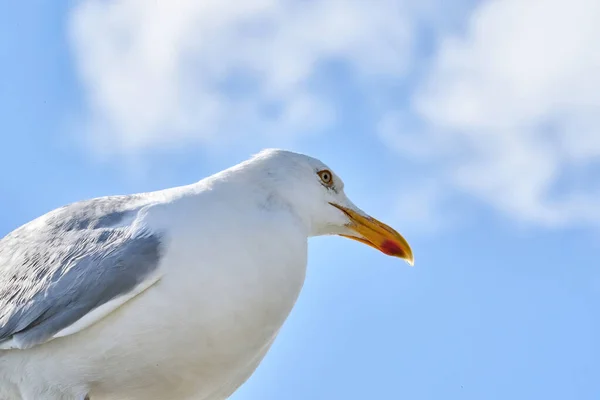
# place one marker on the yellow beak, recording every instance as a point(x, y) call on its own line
point(377, 235)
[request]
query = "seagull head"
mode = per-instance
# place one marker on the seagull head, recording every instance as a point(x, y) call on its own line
point(316, 194)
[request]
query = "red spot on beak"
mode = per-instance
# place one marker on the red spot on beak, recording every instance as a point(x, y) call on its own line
point(392, 249)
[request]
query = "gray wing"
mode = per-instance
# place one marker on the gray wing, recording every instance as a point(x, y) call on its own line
point(67, 263)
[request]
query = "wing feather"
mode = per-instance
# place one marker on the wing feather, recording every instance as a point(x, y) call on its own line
point(73, 266)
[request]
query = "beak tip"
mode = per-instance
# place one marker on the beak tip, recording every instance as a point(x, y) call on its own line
point(398, 250)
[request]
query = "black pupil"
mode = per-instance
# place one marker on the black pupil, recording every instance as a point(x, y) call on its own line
point(326, 177)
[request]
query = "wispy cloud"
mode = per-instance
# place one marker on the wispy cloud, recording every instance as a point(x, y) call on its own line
point(162, 74)
point(510, 111)
point(504, 109)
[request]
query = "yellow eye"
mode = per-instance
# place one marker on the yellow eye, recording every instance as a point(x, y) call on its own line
point(326, 177)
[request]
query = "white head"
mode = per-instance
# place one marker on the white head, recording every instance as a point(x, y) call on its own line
point(316, 195)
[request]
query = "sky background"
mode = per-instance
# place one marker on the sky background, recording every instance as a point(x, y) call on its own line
point(471, 127)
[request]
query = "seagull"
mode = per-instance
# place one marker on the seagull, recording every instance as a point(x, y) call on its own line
point(175, 294)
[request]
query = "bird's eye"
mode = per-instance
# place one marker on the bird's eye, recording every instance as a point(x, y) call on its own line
point(326, 177)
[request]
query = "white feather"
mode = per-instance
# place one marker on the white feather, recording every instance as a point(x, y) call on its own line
point(230, 274)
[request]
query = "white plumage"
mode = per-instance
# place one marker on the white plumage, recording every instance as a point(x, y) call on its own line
point(176, 294)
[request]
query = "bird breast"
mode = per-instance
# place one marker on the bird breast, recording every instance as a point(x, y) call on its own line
point(223, 297)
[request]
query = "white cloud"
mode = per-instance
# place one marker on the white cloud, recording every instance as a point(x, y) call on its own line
point(506, 111)
point(510, 110)
point(162, 74)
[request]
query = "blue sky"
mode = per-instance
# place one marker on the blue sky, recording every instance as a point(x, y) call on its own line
point(462, 127)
